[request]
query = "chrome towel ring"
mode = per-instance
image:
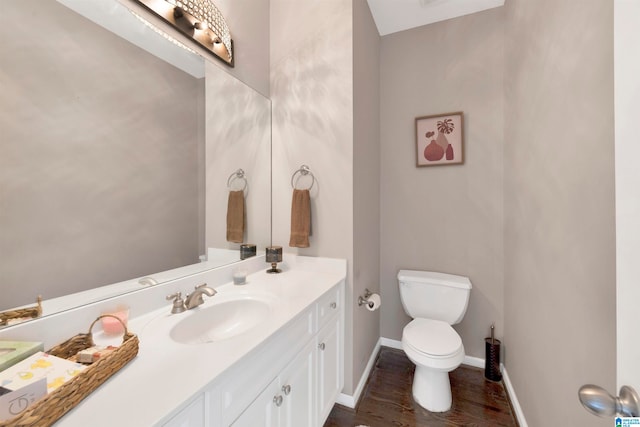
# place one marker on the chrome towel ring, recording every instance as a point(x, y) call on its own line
point(239, 174)
point(303, 171)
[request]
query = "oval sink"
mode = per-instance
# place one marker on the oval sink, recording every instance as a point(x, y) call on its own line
point(220, 321)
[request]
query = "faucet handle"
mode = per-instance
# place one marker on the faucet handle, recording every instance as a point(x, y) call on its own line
point(178, 302)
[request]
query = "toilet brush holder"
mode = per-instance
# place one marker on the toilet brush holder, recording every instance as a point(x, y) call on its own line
point(492, 359)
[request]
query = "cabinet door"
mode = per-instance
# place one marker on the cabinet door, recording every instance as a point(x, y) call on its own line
point(265, 410)
point(191, 416)
point(298, 389)
point(329, 372)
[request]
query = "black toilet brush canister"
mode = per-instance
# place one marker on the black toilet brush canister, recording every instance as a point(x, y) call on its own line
point(492, 358)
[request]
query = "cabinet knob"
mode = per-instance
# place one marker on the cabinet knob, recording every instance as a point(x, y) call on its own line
point(286, 389)
point(321, 346)
point(278, 400)
point(333, 305)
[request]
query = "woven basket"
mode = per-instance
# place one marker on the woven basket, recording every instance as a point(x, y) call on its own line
point(49, 409)
point(29, 312)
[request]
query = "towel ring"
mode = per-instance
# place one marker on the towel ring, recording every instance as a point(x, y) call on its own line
point(304, 171)
point(239, 174)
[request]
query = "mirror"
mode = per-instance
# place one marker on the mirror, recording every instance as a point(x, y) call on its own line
point(116, 164)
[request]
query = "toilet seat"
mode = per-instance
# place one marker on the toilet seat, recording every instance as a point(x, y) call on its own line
point(432, 338)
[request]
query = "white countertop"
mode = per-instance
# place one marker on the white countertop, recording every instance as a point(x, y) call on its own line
point(166, 375)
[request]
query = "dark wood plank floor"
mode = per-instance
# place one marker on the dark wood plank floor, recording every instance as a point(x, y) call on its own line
point(386, 400)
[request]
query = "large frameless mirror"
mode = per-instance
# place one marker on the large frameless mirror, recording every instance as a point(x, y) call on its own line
point(115, 156)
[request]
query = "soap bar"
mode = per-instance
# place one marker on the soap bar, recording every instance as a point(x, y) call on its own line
point(12, 352)
point(92, 354)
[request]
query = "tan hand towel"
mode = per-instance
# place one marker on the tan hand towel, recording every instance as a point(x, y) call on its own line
point(300, 219)
point(235, 217)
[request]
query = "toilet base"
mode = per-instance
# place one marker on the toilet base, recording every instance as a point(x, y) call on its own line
point(432, 389)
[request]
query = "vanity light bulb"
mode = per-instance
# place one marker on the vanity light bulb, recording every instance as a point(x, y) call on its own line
point(201, 26)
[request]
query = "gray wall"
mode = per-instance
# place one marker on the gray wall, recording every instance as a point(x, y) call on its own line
point(559, 206)
point(87, 158)
point(444, 218)
point(366, 181)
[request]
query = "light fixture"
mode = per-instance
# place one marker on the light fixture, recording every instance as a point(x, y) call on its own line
point(200, 20)
point(162, 33)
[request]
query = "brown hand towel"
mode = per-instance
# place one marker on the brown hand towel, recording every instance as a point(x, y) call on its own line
point(235, 217)
point(300, 219)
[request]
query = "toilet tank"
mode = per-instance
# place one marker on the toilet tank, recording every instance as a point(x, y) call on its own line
point(431, 295)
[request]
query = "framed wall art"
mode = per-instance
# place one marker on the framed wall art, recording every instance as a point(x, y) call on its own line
point(439, 140)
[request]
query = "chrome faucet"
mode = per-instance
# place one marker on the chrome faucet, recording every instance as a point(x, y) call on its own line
point(194, 299)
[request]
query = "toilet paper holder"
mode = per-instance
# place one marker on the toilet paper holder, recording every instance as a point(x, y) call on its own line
point(362, 300)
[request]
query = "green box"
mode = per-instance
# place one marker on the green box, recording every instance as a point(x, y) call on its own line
point(12, 352)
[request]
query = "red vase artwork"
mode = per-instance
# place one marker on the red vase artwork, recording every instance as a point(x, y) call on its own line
point(449, 152)
point(439, 139)
point(439, 147)
point(433, 151)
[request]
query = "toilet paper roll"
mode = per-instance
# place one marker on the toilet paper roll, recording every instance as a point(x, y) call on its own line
point(374, 302)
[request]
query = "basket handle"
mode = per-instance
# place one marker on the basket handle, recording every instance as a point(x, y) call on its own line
point(126, 332)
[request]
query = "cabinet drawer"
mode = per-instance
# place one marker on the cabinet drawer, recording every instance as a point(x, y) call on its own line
point(243, 383)
point(328, 305)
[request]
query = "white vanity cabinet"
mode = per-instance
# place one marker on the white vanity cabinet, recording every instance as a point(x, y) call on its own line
point(285, 370)
point(291, 380)
point(289, 400)
point(304, 392)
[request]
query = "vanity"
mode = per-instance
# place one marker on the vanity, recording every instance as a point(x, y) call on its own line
point(268, 352)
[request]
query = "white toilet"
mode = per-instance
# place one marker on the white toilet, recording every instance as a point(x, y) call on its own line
point(435, 301)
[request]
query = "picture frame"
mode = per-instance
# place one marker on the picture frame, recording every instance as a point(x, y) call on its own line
point(439, 139)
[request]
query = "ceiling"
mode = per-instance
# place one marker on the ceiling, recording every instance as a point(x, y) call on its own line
point(392, 16)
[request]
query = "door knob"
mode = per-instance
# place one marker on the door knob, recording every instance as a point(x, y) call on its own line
point(599, 402)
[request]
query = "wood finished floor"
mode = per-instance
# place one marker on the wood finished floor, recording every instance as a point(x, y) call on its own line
point(387, 402)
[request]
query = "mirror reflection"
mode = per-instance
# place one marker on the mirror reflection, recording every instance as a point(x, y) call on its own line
point(114, 163)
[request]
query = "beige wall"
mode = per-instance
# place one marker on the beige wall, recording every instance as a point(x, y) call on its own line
point(444, 218)
point(248, 22)
point(312, 102)
point(366, 181)
point(98, 146)
point(559, 206)
point(238, 136)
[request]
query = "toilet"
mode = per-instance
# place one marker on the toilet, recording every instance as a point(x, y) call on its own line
point(435, 301)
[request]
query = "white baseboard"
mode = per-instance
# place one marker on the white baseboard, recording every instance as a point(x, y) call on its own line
point(351, 401)
point(514, 399)
point(387, 342)
point(477, 362)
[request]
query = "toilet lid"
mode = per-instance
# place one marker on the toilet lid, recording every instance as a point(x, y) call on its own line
point(433, 337)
